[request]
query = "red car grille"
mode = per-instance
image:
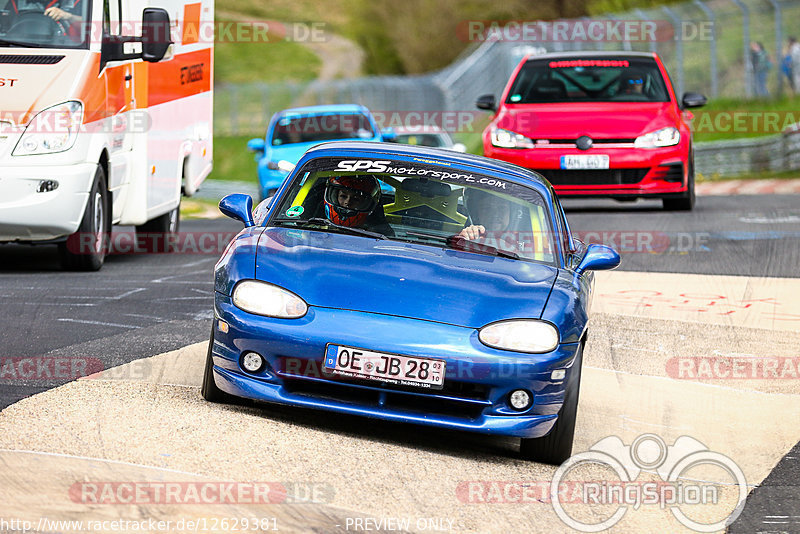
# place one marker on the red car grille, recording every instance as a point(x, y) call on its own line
point(564, 141)
point(594, 177)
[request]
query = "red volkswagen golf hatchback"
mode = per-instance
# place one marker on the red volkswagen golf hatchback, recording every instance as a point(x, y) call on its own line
point(597, 124)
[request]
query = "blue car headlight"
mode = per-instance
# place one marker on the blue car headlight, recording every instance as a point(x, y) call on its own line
point(266, 299)
point(520, 335)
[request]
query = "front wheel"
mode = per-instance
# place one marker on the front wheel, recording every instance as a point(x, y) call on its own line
point(556, 446)
point(158, 235)
point(686, 202)
point(85, 250)
point(210, 391)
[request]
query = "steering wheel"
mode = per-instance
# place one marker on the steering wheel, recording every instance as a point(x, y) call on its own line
point(32, 22)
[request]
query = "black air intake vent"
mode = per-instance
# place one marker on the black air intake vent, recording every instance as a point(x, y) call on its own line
point(30, 60)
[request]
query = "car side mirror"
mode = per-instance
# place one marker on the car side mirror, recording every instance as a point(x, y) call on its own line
point(388, 134)
point(238, 206)
point(693, 100)
point(486, 102)
point(155, 34)
point(598, 258)
point(256, 145)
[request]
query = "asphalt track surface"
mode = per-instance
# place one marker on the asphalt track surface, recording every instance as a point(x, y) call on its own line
point(141, 305)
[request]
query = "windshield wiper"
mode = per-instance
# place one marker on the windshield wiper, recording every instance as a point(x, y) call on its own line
point(458, 242)
point(326, 222)
point(21, 44)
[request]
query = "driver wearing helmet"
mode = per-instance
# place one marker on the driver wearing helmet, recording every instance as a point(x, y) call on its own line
point(487, 213)
point(632, 83)
point(354, 201)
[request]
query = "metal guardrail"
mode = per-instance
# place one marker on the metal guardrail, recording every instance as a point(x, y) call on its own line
point(733, 157)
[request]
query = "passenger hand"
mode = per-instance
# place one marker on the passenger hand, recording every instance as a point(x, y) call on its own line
point(472, 232)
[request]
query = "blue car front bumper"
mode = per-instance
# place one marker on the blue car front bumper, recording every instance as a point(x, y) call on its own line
point(477, 385)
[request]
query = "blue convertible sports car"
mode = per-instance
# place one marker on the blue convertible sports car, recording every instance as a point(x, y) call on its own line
point(458, 299)
point(293, 131)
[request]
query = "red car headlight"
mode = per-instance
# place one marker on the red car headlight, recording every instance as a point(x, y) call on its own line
point(508, 139)
point(664, 137)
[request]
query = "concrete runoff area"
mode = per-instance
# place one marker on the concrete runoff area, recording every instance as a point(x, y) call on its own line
point(654, 364)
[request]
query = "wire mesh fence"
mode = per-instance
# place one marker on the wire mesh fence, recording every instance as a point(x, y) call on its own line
point(706, 46)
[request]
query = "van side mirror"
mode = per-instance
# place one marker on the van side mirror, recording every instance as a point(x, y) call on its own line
point(155, 34)
point(151, 46)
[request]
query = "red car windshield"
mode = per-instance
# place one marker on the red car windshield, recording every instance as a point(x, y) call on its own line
point(590, 79)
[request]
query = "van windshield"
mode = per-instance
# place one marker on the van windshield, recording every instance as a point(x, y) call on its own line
point(44, 24)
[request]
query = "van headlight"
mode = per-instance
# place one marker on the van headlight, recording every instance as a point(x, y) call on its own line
point(520, 335)
point(262, 298)
point(664, 137)
point(52, 130)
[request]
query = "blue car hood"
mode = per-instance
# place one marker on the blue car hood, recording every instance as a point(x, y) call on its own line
point(408, 280)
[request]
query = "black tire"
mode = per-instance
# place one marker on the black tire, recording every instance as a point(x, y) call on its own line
point(685, 203)
point(556, 446)
point(86, 249)
point(158, 235)
point(210, 391)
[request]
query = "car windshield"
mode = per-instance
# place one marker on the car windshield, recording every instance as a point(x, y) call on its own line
point(421, 203)
point(422, 139)
point(591, 79)
point(296, 128)
point(46, 24)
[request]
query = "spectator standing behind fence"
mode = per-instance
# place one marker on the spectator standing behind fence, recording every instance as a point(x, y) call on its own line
point(786, 63)
point(794, 53)
point(761, 66)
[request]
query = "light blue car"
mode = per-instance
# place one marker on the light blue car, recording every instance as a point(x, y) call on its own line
point(293, 131)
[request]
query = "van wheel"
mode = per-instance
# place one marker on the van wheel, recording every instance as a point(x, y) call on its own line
point(158, 235)
point(210, 391)
point(86, 249)
point(556, 446)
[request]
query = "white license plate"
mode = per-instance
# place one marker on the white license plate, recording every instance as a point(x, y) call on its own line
point(585, 161)
point(353, 362)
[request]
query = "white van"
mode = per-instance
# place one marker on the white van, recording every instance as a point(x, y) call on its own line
point(105, 118)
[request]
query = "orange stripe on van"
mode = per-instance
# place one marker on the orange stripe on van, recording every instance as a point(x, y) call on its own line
point(93, 92)
point(184, 75)
point(191, 23)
